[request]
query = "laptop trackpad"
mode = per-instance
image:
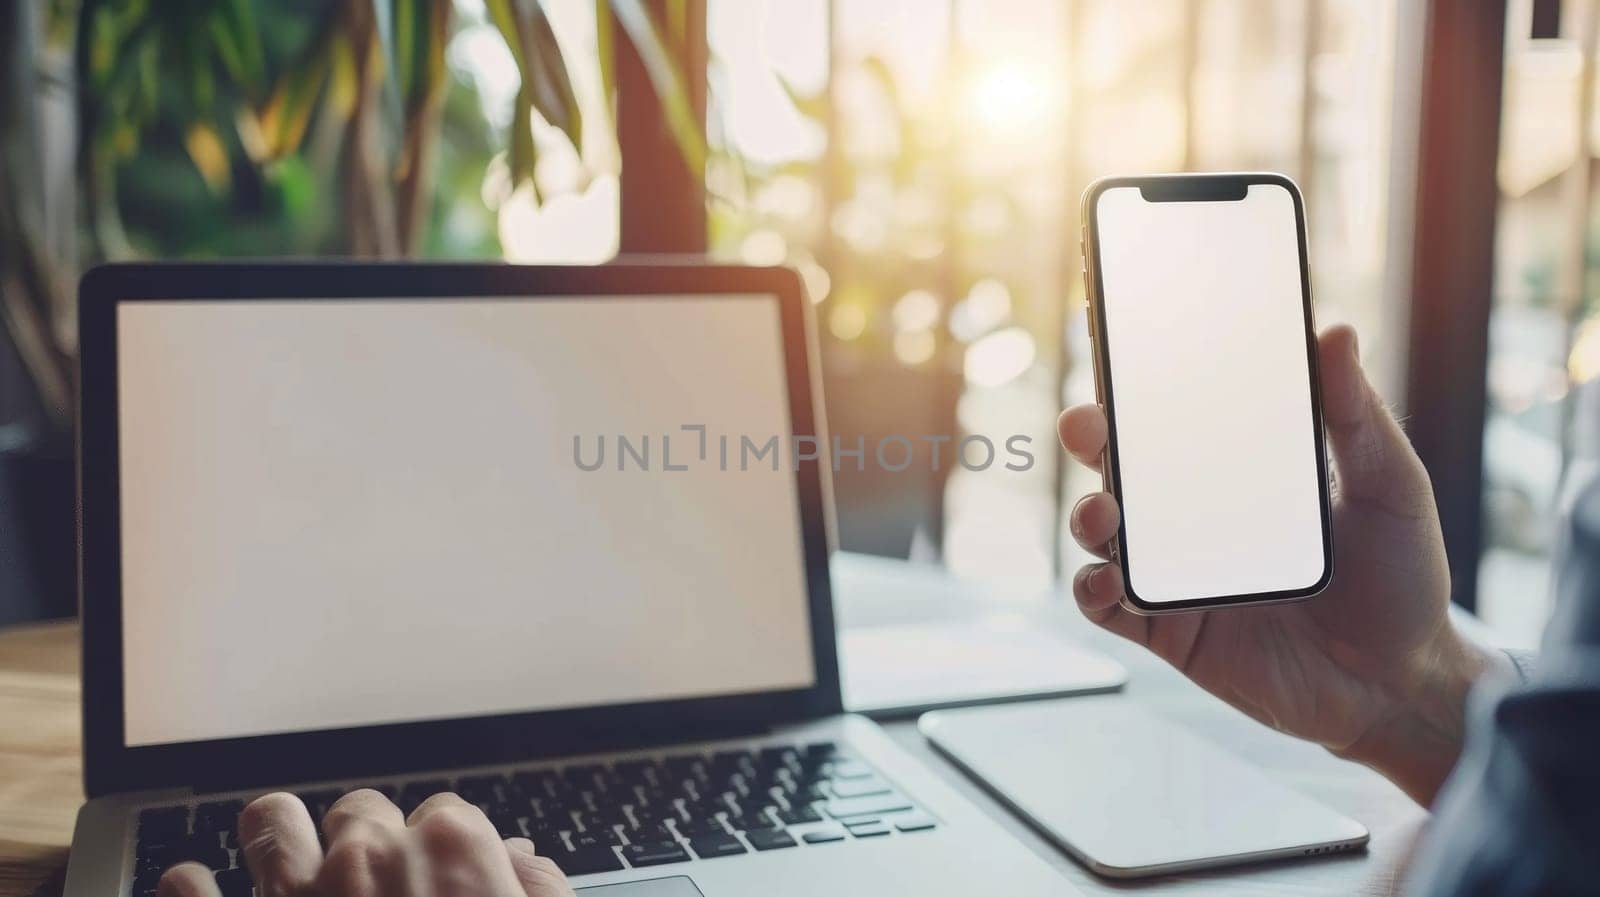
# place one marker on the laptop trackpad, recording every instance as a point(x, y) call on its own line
point(676, 886)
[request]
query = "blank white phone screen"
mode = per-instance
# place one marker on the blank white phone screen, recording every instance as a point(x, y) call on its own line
point(1210, 388)
point(342, 513)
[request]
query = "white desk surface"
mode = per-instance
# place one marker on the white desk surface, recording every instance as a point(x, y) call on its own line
point(1394, 820)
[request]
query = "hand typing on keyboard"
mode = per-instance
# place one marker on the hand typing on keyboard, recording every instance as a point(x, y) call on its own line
point(400, 839)
point(446, 848)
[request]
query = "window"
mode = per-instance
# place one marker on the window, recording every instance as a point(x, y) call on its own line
point(921, 163)
point(1543, 413)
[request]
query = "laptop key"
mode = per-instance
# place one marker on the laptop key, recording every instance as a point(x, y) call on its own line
point(869, 830)
point(751, 822)
point(709, 846)
point(422, 789)
point(151, 862)
point(590, 839)
point(234, 883)
point(650, 832)
point(218, 816)
point(685, 766)
point(205, 850)
point(799, 816)
point(859, 787)
point(548, 845)
point(508, 825)
point(160, 824)
point(823, 834)
point(318, 802)
point(808, 793)
point(770, 839)
point(913, 822)
point(479, 785)
point(849, 769)
point(144, 884)
point(733, 759)
point(586, 861)
point(701, 826)
point(592, 820)
point(871, 805)
point(636, 772)
point(655, 853)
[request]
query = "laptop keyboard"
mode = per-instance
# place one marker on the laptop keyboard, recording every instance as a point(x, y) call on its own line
point(599, 817)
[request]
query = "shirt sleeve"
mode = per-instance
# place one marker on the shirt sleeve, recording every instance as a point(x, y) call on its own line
point(1521, 813)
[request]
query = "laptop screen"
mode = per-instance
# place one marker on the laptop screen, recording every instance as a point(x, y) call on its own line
point(345, 513)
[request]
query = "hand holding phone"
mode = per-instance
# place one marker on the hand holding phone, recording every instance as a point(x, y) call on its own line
point(1372, 668)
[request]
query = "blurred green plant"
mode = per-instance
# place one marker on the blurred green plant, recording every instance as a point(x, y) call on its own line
point(240, 84)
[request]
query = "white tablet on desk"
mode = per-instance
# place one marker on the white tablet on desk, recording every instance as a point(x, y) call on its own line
point(1128, 794)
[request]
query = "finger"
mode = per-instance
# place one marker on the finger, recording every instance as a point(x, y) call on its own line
point(280, 845)
point(369, 851)
point(466, 857)
point(1374, 462)
point(1083, 434)
point(366, 805)
point(1094, 522)
point(188, 880)
point(370, 857)
point(1098, 591)
point(538, 875)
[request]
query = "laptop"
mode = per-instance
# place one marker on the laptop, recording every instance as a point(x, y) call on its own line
point(552, 538)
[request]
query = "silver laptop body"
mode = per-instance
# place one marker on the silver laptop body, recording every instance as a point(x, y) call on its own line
point(553, 538)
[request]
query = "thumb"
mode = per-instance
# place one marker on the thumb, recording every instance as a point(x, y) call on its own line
point(1374, 463)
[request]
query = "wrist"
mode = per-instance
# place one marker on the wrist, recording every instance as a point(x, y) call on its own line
point(1417, 737)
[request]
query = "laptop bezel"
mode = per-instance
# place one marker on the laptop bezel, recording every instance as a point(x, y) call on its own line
point(111, 766)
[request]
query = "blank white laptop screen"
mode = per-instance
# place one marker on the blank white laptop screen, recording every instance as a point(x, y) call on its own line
point(356, 512)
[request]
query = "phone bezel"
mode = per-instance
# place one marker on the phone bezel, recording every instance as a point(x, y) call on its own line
point(1197, 188)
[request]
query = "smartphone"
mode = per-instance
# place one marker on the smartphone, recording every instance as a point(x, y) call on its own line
point(1205, 361)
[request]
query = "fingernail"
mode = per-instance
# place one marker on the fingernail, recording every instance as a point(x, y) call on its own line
point(523, 845)
point(1355, 345)
point(1097, 580)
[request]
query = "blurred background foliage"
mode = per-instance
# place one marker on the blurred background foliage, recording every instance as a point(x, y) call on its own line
point(211, 128)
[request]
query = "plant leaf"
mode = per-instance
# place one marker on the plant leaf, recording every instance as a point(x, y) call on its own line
point(524, 153)
point(606, 45)
point(814, 107)
point(505, 20)
point(149, 83)
point(230, 31)
point(664, 75)
point(546, 83)
point(209, 154)
point(429, 76)
point(403, 65)
point(438, 42)
point(283, 118)
point(423, 34)
point(383, 25)
point(552, 92)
